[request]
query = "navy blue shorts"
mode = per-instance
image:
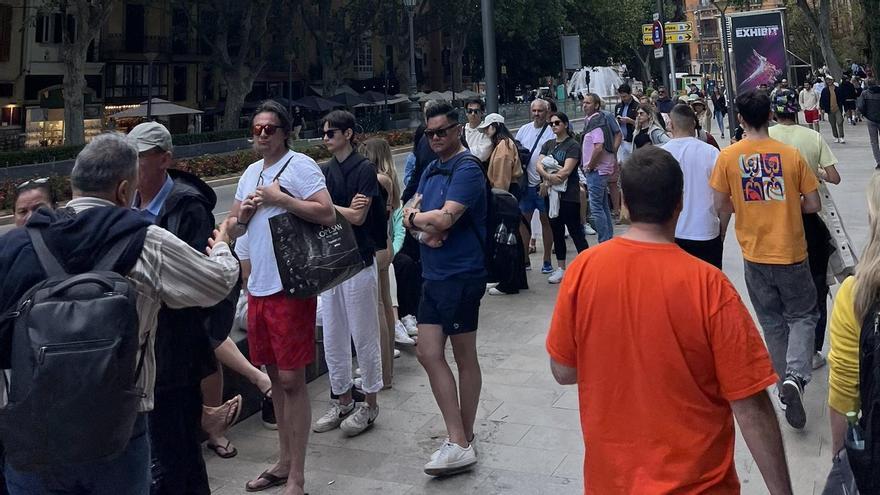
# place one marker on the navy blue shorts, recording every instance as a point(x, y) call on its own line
point(452, 304)
point(532, 201)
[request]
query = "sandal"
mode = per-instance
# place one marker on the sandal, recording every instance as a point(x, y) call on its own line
point(270, 479)
point(227, 453)
point(216, 421)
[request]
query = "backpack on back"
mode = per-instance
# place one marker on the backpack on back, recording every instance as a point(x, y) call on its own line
point(73, 368)
point(865, 463)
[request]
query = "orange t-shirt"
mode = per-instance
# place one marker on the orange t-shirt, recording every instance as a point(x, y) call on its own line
point(662, 343)
point(765, 179)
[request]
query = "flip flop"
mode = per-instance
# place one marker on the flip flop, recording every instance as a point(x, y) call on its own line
point(228, 454)
point(216, 421)
point(271, 481)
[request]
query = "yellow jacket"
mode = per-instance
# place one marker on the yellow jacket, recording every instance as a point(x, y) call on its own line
point(504, 165)
point(843, 358)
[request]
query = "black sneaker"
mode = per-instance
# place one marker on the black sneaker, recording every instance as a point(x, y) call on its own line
point(269, 413)
point(792, 397)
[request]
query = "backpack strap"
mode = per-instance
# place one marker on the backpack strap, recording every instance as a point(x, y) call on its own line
point(109, 260)
point(47, 260)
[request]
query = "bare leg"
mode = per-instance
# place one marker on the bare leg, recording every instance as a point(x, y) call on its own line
point(470, 379)
point(212, 395)
point(229, 355)
point(431, 352)
point(547, 236)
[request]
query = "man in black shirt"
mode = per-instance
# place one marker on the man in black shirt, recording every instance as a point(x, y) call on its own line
point(626, 111)
point(350, 310)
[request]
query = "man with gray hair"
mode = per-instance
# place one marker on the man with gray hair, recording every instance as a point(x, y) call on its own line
point(161, 269)
point(532, 137)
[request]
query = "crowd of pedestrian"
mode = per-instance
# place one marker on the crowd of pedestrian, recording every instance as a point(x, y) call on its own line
point(663, 351)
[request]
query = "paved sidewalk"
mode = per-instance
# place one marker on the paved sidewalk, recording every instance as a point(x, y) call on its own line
point(528, 437)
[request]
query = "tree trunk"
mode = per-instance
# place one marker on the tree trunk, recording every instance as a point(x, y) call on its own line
point(456, 52)
point(238, 85)
point(820, 23)
point(645, 66)
point(872, 32)
point(404, 58)
point(74, 83)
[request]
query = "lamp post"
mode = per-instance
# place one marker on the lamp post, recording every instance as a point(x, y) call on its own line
point(415, 111)
point(490, 65)
point(721, 5)
point(151, 57)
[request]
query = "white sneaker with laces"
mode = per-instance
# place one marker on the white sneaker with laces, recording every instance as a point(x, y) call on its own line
point(495, 292)
point(409, 321)
point(842, 141)
point(589, 230)
point(396, 353)
point(333, 417)
point(401, 336)
point(363, 418)
point(818, 360)
point(451, 458)
point(556, 276)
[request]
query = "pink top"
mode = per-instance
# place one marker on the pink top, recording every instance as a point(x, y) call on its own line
point(591, 139)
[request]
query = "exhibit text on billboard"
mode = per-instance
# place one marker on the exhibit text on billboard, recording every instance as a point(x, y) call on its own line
point(759, 56)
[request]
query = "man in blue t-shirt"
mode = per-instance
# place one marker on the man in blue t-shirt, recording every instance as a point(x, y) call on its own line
point(448, 218)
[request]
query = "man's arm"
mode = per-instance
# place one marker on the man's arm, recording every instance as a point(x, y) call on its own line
point(618, 140)
point(760, 429)
point(811, 203)
point(564, 375)
point(356, 213)
point(830, 175)
point(317, 208)
point(435, 221)
point(595, 155)
point(723, 204)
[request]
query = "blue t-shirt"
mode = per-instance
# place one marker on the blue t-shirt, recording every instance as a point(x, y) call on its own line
point(461, 255)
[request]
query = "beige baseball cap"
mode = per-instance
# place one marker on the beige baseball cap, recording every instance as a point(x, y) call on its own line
point(150, 135)
point(490, 119)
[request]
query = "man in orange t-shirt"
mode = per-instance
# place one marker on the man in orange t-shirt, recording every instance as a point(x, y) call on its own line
point(763, 180)
point(664, 354)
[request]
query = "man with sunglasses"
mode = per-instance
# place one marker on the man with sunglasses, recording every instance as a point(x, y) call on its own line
point(449, 221)
point(281, 330)
point(30, 196)
point(475, 137)
point(664, 102)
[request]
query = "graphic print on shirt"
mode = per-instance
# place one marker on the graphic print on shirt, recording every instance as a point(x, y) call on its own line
point(762, 177)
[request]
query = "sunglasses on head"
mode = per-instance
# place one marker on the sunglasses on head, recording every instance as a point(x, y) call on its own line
point(269, 128)
point(441, 132)
point(32, 182)
point(555, 123)
point(474, 110)
point(331, 133)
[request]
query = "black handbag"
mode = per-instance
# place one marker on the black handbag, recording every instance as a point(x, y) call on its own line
point(312, 258)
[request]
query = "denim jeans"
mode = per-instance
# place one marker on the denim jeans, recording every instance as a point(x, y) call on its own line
point(719, 117)
point(784, 299)
point(600, 210)
point(128, 473)
point(873, 132)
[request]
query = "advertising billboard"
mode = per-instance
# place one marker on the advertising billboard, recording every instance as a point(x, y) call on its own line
point(758, 42)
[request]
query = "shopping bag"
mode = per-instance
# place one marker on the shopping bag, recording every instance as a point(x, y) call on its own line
point(313, 258)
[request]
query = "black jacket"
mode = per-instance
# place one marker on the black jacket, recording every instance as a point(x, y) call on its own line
point(869, 104)
point(631, 112)
point(664, 105)
point(424, 156)
point(184, 353)
point(825, 98)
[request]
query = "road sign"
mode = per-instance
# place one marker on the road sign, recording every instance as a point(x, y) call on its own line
point(674, 38)
point(657, 34)
point(646, 29)
point(658, 53)
point(679, 27)
point(646, 39)
point(655, 17)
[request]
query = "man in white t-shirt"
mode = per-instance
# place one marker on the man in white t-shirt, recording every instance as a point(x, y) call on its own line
point(533, 136)
point(476, 138)
point(281, 330)
point(699, 230)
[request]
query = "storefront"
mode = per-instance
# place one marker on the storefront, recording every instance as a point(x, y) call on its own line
point(44, 124)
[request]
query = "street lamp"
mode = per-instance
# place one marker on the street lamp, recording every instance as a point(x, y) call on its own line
point(151, 57)
point(722, 5)
point(415, 112)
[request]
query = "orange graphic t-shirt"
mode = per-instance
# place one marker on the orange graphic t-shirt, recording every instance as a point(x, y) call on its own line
point(662, 343)
point(765, 179)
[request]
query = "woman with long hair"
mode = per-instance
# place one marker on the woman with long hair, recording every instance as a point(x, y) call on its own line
point(378, 151)
point(561, 179)
point(719, 108)
point(856, 299)
point(503, 172)
point(648, 130)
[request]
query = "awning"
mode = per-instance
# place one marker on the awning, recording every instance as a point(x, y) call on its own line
point(160, 108)
point(315, 103)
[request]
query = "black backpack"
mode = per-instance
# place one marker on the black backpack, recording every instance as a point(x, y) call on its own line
point(73, 394)
point(525, 154)
point(865, 463)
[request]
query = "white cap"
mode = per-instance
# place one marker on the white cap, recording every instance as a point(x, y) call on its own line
point(149, 135)
point(490, 119)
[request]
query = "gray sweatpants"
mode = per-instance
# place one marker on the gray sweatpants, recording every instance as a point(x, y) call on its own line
point(784, 299)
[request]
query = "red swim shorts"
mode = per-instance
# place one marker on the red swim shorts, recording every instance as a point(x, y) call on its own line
point(281, 331)
point(811, 116)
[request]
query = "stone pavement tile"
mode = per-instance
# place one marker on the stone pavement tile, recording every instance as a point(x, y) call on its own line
point(346, 461)
point(326, 483)
point(499, 432)
point(571, 467)
point(524, 395)
point(504, 377)
point(519, 459)
point(425, 403)
point(505, 482)
point(555, 439)
point(410, 471)
point(411, 381)
point(403, 421)
point(568, 400)
point(237, 471)
point(537, 363)
point(533, 415)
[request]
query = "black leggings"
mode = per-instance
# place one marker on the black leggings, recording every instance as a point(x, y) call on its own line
point(569, 216)
point(819, 250)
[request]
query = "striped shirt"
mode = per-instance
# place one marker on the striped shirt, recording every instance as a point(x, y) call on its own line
point(169, 271)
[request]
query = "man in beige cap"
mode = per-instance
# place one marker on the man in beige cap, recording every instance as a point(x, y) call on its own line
point(185, 338)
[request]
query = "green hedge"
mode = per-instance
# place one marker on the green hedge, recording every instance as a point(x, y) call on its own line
point(38, 155)
point(209, 137)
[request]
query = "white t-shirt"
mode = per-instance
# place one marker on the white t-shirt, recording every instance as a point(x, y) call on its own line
point(302, 178)
point(526, 135)
point(478, 142)
point(699, 219)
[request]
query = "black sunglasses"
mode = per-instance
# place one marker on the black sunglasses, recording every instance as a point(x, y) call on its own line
point(330, 133)
point(441, 132)
point(32, 182)
point(555, 123)
point(474, 110)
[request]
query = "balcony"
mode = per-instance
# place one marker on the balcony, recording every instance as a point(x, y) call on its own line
point(119, 46)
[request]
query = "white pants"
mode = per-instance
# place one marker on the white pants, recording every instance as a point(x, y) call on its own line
point(624, 152)
point(350, 311)
point(392, 284)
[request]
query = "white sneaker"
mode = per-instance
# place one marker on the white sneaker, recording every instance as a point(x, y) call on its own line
point(362, 419)
point(589, 230)
point(396, 353)
point(333, 417)
point(495, 292)
point(837, 140)
point(358, 383)
point(818, 360)
point(556, 276)
point(401, 336)
point(409, 321)
point(449, 459)
point(842, 141)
